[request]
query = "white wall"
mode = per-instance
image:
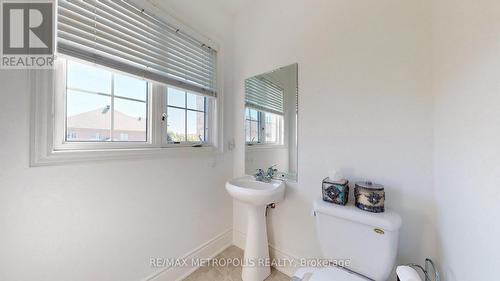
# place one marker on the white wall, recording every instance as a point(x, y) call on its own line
point(103, 221)
point(263, 157)
point(365, 107)
point(467, 137)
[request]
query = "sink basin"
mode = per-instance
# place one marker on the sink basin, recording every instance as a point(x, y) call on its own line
point(248, 190)
point(257, 195)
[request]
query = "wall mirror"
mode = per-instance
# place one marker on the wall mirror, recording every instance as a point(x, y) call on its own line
point(271, 107)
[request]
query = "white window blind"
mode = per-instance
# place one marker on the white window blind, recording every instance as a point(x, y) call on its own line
point(264, 95)
point(119, 35)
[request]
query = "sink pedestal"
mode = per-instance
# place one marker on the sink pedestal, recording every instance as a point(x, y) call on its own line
point(256, 195)
point(256, 258)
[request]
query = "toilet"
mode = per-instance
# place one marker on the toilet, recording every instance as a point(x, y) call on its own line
point(363, 245)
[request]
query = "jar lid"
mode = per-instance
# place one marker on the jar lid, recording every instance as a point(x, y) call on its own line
point(370, 185)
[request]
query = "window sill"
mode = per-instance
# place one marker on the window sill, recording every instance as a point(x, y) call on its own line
point(265, 146)
point(61, 157)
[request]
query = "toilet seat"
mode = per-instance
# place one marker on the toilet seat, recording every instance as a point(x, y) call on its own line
point(326, 274)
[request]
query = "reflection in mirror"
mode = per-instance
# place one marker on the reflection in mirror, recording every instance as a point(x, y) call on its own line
point(271, 107)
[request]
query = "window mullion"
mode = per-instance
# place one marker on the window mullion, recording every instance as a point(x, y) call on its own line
point(164, 90)
point(159, 107)
point(112, 107)
point(261, 127)
point(257, 137)
point(148, 115)
point(185, 117)
point(205, 121)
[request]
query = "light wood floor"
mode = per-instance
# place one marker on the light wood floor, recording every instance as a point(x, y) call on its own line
point(229, 272)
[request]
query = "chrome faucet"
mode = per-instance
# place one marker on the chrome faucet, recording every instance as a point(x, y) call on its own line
point(259, 175)
point(266, 176)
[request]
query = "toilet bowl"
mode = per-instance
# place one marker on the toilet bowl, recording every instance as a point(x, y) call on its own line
point(366, 243)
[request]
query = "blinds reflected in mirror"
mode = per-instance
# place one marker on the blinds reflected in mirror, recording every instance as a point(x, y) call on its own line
point(264, 95)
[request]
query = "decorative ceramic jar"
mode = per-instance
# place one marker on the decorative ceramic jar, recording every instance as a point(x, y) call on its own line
point(369, 196)
point(336, 191)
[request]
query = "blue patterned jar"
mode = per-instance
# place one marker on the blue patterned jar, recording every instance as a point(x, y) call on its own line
point(336, 191)
point(369, 196)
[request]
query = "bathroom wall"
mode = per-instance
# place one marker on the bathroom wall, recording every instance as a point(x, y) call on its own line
point(103, 221)
point(263, 157)
point(365, 108)
point(467, 137)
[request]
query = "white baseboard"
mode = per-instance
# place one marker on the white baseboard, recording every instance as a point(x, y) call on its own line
point(206, 251)
point(275, 254)
point(287, 268)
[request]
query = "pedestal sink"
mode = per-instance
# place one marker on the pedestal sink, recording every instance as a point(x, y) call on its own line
point(257, 195)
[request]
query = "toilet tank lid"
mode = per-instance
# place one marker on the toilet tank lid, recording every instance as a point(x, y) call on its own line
point(388, 220)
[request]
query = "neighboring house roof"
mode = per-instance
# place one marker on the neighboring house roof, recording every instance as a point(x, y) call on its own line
point(95, 119)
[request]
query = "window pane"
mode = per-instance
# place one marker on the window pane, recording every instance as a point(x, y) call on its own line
point(195, 102)
point(129, 87)
point(130, 120)
point(195, 126)
point(248, 137)
point(252, 131)
point(88, 78)
point(254, 115)
point(176, 125)
point(176, 98)
point(88, 117)
point(271, 128)
point(247, 113)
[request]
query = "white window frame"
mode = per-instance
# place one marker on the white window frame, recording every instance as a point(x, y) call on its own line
point(48, 145)
point(209, 119)
point(60, 142)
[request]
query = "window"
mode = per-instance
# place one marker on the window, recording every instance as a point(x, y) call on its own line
point(103, 106)
point(263, 127)
point(186, 117)
point(117, 64)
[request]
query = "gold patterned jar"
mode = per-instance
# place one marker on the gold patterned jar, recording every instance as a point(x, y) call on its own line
point(369, 196)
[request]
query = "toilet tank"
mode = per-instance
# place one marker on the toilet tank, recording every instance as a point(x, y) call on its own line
point(368, 241)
